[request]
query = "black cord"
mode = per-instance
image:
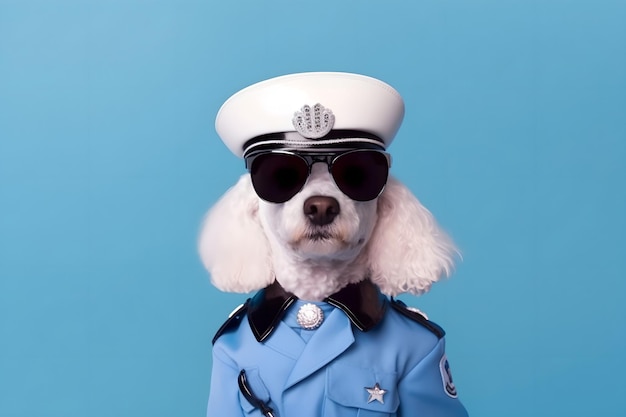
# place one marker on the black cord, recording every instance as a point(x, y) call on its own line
point(249, 395)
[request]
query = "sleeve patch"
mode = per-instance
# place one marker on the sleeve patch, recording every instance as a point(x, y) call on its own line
point(446, 377)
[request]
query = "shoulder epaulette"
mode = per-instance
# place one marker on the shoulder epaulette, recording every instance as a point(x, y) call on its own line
point(401, 308)
point(232, 322)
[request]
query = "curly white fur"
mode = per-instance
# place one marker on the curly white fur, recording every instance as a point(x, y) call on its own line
point(246, 243)
point(232, 244)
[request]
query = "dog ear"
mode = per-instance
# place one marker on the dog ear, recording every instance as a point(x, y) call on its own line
point(232, 244)
point(407, 251)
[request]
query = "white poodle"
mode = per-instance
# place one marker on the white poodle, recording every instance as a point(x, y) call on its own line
point(247, 243)
point(326, 239)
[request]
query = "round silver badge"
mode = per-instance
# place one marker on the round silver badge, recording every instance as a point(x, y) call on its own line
point(310, 316)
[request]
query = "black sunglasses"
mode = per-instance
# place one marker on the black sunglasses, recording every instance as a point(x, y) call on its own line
point(278, 175)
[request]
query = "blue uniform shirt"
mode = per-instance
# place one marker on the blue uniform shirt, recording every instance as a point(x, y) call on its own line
point(371, 357)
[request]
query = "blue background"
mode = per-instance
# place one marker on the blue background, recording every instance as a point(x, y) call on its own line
point(515, 137)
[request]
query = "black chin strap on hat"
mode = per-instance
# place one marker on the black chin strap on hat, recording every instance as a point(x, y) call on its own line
point(252, 399)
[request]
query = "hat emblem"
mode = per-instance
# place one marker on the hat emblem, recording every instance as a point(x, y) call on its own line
point(313, 122)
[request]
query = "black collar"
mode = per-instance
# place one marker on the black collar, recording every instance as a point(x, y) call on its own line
point(361, 302)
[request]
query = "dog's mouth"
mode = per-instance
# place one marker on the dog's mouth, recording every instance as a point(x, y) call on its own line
point(325, 242)
point(319, 235)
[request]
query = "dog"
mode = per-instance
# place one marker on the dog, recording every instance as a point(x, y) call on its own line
point(247, 243)
point(327, 239)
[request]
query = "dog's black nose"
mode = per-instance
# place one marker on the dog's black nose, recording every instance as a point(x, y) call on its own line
point(321, 210)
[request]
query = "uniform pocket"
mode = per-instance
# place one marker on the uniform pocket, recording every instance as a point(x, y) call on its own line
point(368, 392)
point(258, 389)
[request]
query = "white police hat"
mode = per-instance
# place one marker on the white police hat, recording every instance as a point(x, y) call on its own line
point(309, 111)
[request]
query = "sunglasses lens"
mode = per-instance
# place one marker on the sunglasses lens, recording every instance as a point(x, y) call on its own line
point(361, 175)
point(277, 177)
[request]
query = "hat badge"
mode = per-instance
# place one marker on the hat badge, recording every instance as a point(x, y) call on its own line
point(313, 122)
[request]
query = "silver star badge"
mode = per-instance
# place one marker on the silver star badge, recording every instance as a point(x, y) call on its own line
point(376, 393)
